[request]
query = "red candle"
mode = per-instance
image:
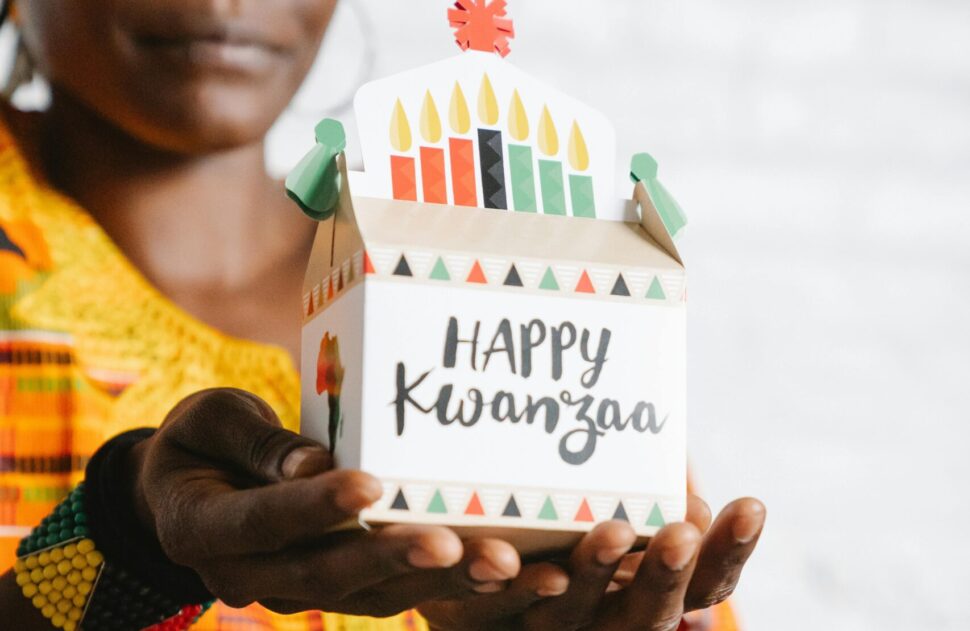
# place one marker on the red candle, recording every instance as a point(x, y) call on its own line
point(463, 183)
point(403, 180)
point(433, 175)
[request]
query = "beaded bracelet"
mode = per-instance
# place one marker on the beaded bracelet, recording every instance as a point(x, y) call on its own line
point(61, 571)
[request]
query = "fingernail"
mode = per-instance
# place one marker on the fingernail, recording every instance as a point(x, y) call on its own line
point(613, 587)
point(483, 571)
point(295, 463)
point(489, 588)
point(354, 498)
point(553, 588)
point(421, 558)
point(677, 557)
point(609, 556)
point(746, 527)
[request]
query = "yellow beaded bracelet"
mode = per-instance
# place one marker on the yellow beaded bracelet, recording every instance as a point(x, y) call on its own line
point(60, 570)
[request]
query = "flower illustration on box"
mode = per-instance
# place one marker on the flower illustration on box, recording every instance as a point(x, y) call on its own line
point(330, 374)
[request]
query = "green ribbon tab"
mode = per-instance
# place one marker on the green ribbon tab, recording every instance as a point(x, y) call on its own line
point(314, 183)
point(643, 168)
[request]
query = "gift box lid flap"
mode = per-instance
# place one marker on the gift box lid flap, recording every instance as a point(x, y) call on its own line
point(509, 234)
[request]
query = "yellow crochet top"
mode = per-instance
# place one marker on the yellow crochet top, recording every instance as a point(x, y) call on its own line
point(88, 349)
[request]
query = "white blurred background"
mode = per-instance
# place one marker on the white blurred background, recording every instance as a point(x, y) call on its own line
point(822, 153)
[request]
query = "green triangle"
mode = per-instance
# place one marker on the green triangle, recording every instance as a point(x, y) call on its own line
point(548, 511)
point(656, 292)
point(440, 272)
point(656, 518)
point(549, 280)
point(437, 504)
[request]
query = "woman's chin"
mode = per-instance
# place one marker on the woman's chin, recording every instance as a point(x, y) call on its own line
point(211, 125)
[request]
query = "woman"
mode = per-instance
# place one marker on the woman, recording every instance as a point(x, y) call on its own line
point(150, 273)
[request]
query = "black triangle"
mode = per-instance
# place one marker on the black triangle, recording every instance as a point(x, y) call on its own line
point(620, 289)
point(511, 509)
point(495, 143)
point(512, 279)
point(620, 513)
point(399, 502)
point(403, 269)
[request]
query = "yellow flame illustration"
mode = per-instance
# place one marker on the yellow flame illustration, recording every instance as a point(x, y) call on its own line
point(578, 154)
point(547, 137)
point(430, 121)
point(487, 105)
point(518, 121)
point(400, 129)
point(458, 116)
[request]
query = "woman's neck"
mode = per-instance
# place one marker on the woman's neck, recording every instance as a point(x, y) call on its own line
point(211, 219)
point(213, 232)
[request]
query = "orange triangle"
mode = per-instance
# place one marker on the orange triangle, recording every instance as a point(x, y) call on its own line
point(330, 290)
point(585, 285)
point(309, 310)
point(474, 506)
point(584, 514)
point(476, 275)
point(368, 266)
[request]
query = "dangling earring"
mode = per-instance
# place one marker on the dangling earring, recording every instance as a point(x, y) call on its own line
point(22, 70)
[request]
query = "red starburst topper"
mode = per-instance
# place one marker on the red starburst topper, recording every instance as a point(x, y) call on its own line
point(481, 25)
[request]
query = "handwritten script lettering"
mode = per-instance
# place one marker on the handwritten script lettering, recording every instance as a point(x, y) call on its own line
point(512, 348)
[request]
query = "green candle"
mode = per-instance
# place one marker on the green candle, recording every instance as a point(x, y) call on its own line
point(581, 195)
point(550, 171)
point(580, 186)
point(523, 178)
point(521, 168)
point(553, 192)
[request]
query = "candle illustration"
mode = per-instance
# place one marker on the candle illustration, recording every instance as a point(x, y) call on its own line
point(550, 171)
point(580, 186)
point(521, 171)
point(433, 185)
point(464, 188)
point(403, 180)
point(490, 154)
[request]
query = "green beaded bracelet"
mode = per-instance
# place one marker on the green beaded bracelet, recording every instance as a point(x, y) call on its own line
point(65, 577)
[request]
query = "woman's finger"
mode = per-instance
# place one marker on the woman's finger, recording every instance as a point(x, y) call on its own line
point(698, 513)
point(655, 598)
point(591, 565)
point(324, 577)
point(485, 568)
point(627, 569)
point(728, 544)
point(535, 582)
point(210, 518)
point(237, 430)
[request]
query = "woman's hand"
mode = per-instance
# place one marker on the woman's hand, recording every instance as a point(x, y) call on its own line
point(686, 566)
point(251, 507)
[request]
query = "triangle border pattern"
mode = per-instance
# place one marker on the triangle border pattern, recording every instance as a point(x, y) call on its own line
point(586, 282)
point(560, 509)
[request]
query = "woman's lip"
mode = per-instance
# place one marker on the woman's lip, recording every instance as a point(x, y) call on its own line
point(217, 53)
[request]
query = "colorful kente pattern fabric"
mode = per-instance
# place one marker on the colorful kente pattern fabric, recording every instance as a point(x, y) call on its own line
point(88, 349)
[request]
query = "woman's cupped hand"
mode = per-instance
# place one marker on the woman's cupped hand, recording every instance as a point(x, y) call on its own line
point(257, 512)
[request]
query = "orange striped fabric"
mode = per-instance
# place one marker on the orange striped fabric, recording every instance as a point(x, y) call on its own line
point(88, 348)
